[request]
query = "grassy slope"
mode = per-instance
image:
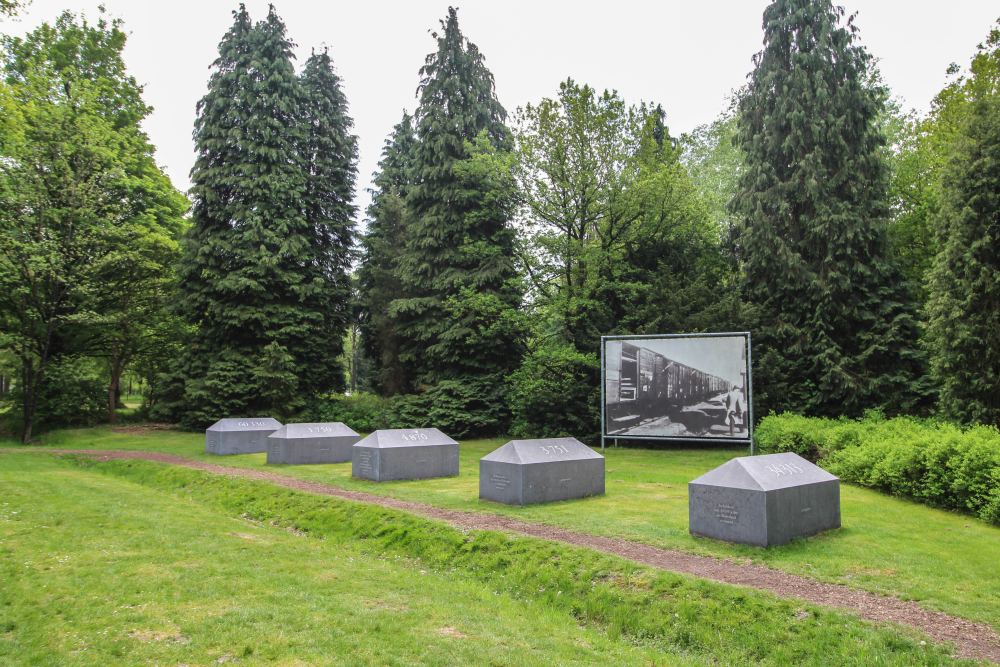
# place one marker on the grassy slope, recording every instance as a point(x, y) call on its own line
point(947, 561)
point(101, 571)
point(195, 568)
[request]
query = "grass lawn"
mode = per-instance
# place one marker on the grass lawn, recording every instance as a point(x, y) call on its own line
point(126, 563)
point(98, 570)
point(946, 561)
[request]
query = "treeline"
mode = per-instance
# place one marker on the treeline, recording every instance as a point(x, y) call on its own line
point(858, 243)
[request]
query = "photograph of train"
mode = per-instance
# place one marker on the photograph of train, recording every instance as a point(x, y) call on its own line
point(681, 387)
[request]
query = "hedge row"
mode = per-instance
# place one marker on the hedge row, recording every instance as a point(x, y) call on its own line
point(933, 462)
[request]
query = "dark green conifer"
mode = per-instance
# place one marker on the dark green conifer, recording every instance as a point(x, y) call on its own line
point(331, 153)
point(382, 244)
point(264, 262)
point(964, 304)
point(836, 333)
point(458, 254)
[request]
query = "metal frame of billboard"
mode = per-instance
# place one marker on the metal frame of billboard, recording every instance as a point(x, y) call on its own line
point(729, 334)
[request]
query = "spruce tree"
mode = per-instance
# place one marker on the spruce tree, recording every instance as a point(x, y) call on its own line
point(331, 154)
point(459, 244)
point(382, 244)
point(836, 333)
point(964, 304)
point(264, 249)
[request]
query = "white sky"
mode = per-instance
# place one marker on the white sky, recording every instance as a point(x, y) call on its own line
point(686, 55)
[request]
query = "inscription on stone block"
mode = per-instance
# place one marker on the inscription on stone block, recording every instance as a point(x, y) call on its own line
point(330, 442)
point(240, 435)
point(764, 500)
point(523, 472)
point(396, 454)
point(726, 513)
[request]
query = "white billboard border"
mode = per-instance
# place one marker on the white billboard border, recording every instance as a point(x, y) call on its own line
point(674, 438)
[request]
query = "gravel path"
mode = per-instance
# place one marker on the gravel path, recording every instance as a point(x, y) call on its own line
point(972, 640)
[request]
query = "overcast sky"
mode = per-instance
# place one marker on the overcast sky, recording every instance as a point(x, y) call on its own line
point(686, 55)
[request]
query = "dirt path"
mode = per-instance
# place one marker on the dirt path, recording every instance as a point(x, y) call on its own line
point(971, 640)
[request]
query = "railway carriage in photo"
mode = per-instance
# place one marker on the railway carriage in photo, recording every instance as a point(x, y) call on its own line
point(641, 384)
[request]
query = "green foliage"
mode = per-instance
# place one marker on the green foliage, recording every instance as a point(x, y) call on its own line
point(964, 285)
point(555, 393)
point(88, 222)
point(363, 412)
point(460, 408)
point(378, 275)
point(932, 462)
point(836, 331)
point(618, 238)
point(458, 239)
point(72, 393)
point(263, 277)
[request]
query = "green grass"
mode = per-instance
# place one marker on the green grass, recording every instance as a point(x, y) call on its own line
point(946, 561)
point(130, 562)
point(99, 571)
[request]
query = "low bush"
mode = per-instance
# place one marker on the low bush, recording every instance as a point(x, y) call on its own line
point(933, 462)
point(555, 393)
point(460, 409)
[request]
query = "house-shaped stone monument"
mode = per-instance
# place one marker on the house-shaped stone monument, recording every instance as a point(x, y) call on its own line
point(525, 472)
point(764, 500)
point(240, 435)
point(330, 442)
point(412, 453)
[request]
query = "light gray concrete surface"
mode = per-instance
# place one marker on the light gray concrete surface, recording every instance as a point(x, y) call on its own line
point(764, 500)
point(414, 453)
point(525, 472)
point(239, 435)
point(294, 444)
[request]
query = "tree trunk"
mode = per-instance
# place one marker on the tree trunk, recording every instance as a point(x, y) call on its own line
point(116, 374)
point(29, 401)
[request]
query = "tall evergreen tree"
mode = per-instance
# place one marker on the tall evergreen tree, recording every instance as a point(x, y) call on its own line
point(459, 244)
point(964, 304)
point(265, 249)
point(836, 332)
point(378, 279)
point(331, 154)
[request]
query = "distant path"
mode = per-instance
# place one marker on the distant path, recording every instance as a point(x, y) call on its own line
point(976, 641)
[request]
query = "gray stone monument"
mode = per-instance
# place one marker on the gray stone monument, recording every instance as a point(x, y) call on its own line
point(764, 500)
point(412, 453)
point(241, 435)
point(330, 442)
point(524, 472)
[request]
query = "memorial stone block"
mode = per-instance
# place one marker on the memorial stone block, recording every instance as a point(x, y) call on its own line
point(330, 442)
point(241, 435)
point(525, 472)
point(764, 500)
point(413, 453)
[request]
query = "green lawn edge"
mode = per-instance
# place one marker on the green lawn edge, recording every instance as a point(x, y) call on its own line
point(672, 612)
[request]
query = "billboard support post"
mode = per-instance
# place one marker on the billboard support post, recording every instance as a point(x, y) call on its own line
point(603, 430)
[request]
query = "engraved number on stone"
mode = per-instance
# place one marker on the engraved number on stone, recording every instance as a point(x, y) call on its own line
point(554, 449)
point(414, 437)
point(782, 469)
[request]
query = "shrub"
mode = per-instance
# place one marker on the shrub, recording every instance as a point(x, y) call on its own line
point(363, 412)
point(555, 393)
point(73, 393)
point(460, 408)
point(935, 463)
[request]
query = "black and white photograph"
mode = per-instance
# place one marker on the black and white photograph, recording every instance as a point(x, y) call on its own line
point(677, 386)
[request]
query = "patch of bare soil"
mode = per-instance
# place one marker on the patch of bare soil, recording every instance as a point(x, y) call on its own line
point(140, 429)
point(972, 640)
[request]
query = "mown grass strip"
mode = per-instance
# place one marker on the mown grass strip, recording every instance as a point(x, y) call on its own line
point(632, 602)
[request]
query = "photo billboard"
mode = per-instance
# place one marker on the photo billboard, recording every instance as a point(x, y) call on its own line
point(677, 387)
